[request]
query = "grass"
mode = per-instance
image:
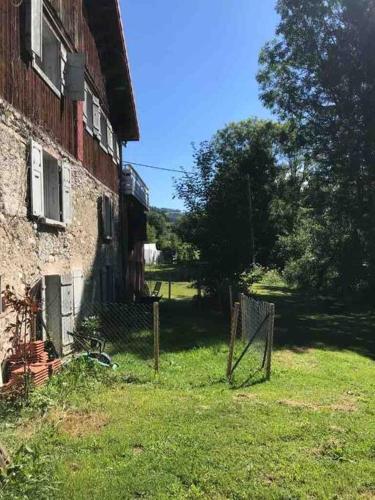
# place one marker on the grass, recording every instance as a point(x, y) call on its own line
point(309, 433)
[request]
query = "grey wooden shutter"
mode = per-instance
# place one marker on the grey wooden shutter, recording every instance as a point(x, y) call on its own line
point(66, 312)
point(34, 23)
point(66, 192)
point(63, 62)
point(37, 181)
point(96, 107)
point(75, 77)
point(78, 286)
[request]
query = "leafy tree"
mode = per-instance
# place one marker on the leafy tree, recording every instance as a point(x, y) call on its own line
point(319, 74)
point(228, 198)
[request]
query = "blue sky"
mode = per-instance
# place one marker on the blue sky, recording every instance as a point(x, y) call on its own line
point(194, 66)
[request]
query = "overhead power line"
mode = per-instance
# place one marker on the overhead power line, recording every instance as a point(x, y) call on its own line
point(155, 167)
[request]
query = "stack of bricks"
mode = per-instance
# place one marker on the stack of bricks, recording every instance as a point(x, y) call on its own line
point(38, 366)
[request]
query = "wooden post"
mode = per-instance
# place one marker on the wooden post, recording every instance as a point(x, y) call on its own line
point(270, 341)
point(230, 300)
point(169, 289)
point(156, 336)
point(233, 332)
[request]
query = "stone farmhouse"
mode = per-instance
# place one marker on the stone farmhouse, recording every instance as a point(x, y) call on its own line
point(70, 226)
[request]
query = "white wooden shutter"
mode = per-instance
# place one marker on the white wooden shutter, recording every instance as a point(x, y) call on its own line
point(66, 311)
point(110, 138)
point(63, 62)
point(66, 190)
point(117, 145)
point(85, 104)
point(75, 77)
point(96, 117)
point(34, 23)
point(78, 286)
point(36, 176)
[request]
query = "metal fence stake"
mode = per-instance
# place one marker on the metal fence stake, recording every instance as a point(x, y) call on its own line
point(169, 289)
point(156, 336)
point(270, 341)
point(233, 332)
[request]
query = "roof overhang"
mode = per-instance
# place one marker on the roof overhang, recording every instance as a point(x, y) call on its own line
point(107, 28)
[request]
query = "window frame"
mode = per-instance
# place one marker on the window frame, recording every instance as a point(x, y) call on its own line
point(39, 190)
point(37, 66)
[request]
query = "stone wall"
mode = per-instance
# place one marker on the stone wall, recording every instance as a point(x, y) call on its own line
point(30, 250)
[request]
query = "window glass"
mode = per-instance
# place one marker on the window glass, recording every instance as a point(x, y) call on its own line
point(52, 190)
point(50, 61)
point(89, 109)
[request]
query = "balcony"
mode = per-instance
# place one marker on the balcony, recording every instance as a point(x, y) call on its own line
point(133, 185)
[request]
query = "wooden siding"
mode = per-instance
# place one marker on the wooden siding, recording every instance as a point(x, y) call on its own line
point(23, 87)
point(99, 163)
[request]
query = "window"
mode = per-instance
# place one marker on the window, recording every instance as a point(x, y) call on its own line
point(107, 217)
point(50, 187)
point(103, 131)
point(50, 60)
point(52, 183)
point(62, 71)
point(88, 113)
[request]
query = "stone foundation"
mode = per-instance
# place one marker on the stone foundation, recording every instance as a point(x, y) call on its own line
point(30, 250)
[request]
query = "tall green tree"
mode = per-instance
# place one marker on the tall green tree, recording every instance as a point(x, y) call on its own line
point(228, 198)
point(319, 74)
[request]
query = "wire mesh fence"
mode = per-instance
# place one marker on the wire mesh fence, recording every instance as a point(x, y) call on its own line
point(127, 334)
point(251, 341)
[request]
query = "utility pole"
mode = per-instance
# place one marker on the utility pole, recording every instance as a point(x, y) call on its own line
point(251, 222)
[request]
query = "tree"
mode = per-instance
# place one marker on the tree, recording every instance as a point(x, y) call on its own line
point(319, 74)
point(228, 198)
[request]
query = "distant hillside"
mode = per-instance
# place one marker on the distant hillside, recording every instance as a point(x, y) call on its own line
point(173, 215)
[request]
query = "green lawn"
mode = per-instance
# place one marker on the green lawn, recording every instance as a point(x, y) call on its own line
point(309, 433)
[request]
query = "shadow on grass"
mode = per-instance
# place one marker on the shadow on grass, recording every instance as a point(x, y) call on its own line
point(304, 322)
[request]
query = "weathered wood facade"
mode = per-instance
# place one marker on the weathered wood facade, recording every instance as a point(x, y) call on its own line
point(23, 88)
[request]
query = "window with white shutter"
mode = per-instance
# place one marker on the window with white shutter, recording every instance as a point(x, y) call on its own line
point(110, 138)
point(66, 190)
point(36, 180)
point(50, 187)
point(103, 131)
point(78, 287)
point(88, 110)
point(34, 21)
point(96, 117)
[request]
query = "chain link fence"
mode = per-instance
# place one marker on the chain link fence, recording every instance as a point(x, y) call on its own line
point(251, 341)
point(126, 333)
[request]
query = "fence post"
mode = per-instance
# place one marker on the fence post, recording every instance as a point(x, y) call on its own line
point(244, 313)
point(169, 289)
point(156, 335)
point(270, 341)
point(233, 331)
